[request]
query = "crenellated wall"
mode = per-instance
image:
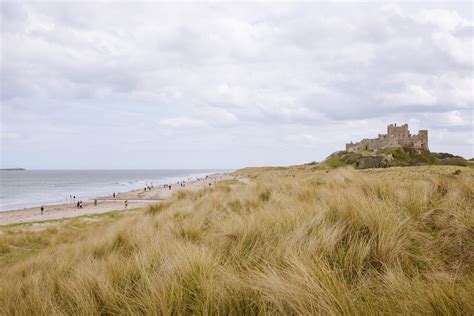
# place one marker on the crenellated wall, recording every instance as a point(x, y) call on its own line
point(397, 136)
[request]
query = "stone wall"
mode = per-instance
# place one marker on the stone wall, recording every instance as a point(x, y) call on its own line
point(397, 136)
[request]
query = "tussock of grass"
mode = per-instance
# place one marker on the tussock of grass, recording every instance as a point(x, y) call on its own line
point(159, 207)
point(4, 248)
point(294, 241)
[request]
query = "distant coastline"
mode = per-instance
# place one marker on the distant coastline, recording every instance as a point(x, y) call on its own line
point(12, 169)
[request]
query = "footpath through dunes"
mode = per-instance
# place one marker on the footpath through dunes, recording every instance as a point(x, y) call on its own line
point(298, 240)
point(135, 199)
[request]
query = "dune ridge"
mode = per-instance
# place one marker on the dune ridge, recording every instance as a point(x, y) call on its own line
point(296, 240)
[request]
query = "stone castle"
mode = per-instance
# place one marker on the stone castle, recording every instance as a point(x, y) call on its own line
point(397, 136)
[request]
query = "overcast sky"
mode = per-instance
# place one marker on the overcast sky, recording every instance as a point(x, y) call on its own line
point(153, 85)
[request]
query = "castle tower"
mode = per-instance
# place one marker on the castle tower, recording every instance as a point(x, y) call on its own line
point(423, 138)
point(399, 132)
point(391, 128)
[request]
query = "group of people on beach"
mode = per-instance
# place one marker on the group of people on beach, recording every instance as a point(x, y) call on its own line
point(149, 187)
point(72, 199)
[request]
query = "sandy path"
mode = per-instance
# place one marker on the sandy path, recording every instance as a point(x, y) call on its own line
point(136, 199)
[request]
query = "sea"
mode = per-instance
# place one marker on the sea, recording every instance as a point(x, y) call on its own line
point(30, 188)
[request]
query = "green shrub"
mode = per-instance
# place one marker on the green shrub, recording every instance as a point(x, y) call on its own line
point(444, 155)
point(452, 162)
point(335, 162)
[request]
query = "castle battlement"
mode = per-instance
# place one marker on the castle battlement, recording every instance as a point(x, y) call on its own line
point(397, 136)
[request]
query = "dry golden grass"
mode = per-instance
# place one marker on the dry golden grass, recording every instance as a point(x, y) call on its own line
point(297, 240)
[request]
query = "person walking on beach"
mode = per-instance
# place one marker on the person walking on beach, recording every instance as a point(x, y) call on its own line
point(42, 209)
point(95, 202)
point(78, 204)
point(126, 203)
point(114, 195)
point(169, 186)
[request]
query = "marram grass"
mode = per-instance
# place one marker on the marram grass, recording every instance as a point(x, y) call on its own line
point(294, 241)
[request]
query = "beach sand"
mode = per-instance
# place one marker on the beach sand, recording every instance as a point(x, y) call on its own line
point(136, 199)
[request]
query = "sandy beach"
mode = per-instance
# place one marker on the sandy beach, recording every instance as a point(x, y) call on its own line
point(135, 199)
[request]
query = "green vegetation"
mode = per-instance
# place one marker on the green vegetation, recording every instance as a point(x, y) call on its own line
point(299, 240)
point(341, 159)
point(20, 241)
point(392, 157)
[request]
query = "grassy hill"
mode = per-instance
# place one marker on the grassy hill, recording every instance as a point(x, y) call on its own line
point(393, 157)
point(299, 240)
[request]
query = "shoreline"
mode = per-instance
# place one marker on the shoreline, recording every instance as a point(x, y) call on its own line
point(58, 188)
point(136, 199)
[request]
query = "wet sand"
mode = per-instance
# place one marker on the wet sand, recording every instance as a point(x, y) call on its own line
point(135, 198)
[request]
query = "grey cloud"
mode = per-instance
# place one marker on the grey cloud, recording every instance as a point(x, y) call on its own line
point(235, 70)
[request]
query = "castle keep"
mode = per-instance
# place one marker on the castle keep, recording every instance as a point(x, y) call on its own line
point(397, 136)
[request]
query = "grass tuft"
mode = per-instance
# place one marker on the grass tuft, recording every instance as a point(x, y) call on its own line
point(154, 209)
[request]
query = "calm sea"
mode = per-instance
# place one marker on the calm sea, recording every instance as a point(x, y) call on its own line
point(29, 188)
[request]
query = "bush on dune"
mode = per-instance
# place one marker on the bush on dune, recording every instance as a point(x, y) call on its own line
point(293, 241)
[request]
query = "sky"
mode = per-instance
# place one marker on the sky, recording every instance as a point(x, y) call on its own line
point(125, 85)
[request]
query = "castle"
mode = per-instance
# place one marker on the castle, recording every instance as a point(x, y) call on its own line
point(397, 136)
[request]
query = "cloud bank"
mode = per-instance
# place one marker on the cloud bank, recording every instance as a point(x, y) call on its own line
point(121, 85)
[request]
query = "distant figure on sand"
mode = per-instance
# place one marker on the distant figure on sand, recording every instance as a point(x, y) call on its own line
point(114, 195)
point(126, 203)
point(78, 204)
point(169, 186)
point(95, 202)
point(42, 209)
